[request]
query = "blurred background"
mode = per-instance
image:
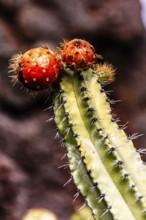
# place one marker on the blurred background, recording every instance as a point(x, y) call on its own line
point(29, 153)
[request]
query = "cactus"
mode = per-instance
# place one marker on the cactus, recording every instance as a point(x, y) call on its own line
point(104, 164)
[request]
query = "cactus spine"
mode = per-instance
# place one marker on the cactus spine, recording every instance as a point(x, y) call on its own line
point(104, 164)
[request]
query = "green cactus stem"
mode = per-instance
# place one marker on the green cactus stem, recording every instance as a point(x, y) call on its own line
point(77, 166)
point(104, 164)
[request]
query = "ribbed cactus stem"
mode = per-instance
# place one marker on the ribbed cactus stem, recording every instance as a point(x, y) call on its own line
point(104, 164)
point(77, 167)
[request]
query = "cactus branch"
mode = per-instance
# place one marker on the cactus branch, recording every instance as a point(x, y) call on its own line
point(99, 152)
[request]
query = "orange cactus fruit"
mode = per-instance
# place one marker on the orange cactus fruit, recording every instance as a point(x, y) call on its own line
point(78, 54)
point(36, 69)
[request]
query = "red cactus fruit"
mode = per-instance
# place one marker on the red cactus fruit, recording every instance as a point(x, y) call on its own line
point(36, 69)
point(78, 54)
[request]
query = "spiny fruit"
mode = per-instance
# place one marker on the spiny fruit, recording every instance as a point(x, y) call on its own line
point(78, 54)
point(36, 69)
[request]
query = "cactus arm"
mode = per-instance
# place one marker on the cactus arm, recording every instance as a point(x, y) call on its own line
point(93, 162)
point(90, 121)
point(127, 160)
point(77, 167)
point(125, 150)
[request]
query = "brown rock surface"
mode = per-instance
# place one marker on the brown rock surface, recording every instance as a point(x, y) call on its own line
point(30, 155)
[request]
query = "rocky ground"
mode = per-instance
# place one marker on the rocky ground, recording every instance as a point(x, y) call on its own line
point(29, 153)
